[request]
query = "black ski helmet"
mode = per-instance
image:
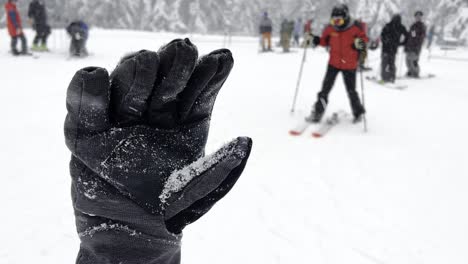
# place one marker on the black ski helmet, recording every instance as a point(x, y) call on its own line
point(340, 10)
point(419, 13)
point(396, 19)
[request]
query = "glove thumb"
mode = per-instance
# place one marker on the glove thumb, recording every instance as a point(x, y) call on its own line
point(191, 192)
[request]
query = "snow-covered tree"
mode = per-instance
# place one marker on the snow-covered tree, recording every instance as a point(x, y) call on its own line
point(240, 16)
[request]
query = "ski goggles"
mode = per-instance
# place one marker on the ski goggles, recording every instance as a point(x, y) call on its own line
point(337, 21)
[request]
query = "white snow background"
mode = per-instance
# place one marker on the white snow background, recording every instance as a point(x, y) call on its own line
point(396, 195)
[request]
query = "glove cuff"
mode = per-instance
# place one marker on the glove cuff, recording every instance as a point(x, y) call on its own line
point(115, 243)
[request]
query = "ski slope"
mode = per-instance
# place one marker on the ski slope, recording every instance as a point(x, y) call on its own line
point(396, 195)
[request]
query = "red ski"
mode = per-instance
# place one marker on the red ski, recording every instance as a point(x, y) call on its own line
point(329, 123)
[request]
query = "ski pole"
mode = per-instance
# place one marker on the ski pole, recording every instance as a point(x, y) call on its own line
point(293, 109)
point(363, 100)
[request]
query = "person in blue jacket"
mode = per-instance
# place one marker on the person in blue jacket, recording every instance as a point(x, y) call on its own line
point(79, 33)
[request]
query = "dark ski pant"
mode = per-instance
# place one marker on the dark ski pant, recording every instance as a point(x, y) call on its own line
point(349, 77)
point(297, 40)
point(388, 68)
point(42, 33)
point(286, 41)
point(412, 63)
point(14, 43)
point(78, 47)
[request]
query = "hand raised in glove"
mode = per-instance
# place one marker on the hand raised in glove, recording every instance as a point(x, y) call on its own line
point(312, 40)
point(137, 137)
point(359, 44)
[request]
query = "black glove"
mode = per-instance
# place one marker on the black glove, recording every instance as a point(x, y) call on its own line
point(315, 41)
point(137, 138)
point(310, 39)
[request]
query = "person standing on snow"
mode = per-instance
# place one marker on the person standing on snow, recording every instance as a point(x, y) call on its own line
point(287, 28)
point(265, 28)
point(430, 36)
point(15, 28)
point(308, 27)
point(393, 35)
point(416, 37)
point(78, 31)
point(38, 15)
point(345, 39)
point(298, 32)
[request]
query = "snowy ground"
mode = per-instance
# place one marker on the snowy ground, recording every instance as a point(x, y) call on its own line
point(396, 195)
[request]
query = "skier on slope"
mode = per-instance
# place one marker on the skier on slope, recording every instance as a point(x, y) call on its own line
point(287, 28)
point(298, 31)
point(38, 16)
point(79, 32)
point(138, 166)
point(393, 35)
point(15, 28)
point(345, 39)
point(266, 28)
point(308, 27)
point(416, 37)
point(430, 36)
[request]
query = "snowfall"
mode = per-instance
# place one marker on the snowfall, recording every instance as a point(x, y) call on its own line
point(394, 195)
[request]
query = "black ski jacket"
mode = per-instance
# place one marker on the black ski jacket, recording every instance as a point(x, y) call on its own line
point(416, 37)
point(393, 35)
point(37, 12)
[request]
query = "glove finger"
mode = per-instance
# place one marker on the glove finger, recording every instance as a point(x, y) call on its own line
point(204, 71)
point(192, 191)
point(132, 86)
point(87, 104)
point(177, 62)
point(201, 103)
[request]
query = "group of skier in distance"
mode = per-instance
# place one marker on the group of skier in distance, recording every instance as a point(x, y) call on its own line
point(37, 17)
point(346, 39)
point(348, 43)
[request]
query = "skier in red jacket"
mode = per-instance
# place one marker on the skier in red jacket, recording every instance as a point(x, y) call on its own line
point(345, 39)
point(15, 28)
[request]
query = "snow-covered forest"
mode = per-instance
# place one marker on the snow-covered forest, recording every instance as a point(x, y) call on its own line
point(240, 16)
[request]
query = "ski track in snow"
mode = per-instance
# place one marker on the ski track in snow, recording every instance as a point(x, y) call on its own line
point(396, 195)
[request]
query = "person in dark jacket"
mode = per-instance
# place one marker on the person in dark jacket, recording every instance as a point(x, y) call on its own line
point(78, 31)
point(38, 15)
point(287, 28)
point(393, 35)
point(265, 28)
point(15, 28)
point(416, 37)
point(346, 40)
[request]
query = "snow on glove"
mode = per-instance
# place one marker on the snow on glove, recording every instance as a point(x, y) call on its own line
point(137, 137)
